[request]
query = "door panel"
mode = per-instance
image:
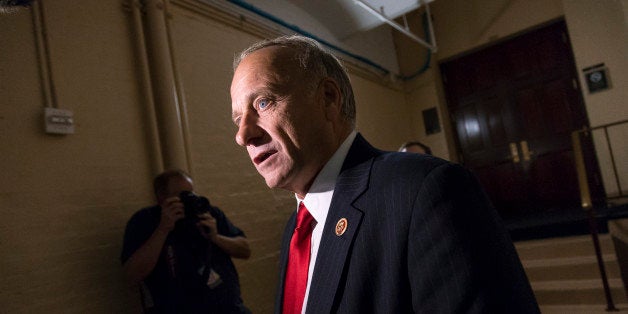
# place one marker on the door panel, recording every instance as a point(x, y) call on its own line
point(550, 192)
point(469, 129)
point(515, 105)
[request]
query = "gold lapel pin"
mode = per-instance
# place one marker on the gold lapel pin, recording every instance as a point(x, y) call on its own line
point(341, 226)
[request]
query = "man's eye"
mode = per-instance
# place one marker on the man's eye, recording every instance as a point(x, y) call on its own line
point(263, 103)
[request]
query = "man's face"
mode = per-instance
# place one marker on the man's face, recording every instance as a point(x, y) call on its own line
point(176, 185)
point(281, 117)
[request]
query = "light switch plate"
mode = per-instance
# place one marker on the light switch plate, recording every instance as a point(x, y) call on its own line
point(59, 121)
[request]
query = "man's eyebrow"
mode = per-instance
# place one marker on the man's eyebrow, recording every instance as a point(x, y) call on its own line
point(234, 115)
point(270, 89)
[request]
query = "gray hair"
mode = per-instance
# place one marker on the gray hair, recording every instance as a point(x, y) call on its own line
point(314, 59)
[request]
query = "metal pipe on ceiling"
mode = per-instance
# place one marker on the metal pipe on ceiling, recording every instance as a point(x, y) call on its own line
point(403, 30)
point(277, 21)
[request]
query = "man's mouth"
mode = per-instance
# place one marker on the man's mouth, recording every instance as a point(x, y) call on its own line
point(263, 156)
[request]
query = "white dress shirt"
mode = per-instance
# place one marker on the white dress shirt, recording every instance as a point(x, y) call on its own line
point(318, 199)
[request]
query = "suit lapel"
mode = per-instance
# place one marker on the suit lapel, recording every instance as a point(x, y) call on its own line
point(334, 249)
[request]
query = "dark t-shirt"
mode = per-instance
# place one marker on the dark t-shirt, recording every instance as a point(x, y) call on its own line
point(191, 275)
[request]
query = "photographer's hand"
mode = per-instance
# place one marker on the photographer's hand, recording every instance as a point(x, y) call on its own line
point(171, 212)
point(207, 226)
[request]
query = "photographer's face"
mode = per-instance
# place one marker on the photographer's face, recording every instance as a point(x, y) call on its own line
point(175, 186)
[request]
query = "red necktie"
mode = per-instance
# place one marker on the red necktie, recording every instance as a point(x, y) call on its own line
point(298, 263)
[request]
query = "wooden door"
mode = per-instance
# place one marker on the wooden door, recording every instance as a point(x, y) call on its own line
point(514, 106)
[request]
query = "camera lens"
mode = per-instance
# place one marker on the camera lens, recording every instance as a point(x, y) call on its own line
point(193, 205)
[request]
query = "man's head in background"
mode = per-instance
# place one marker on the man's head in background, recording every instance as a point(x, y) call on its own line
point(415, 147)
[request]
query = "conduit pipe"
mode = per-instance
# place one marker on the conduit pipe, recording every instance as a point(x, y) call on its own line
point(179, 90)
point(43, 55)
point(428, 57)
point(164, 87)
point(147, 90)
point(432, 38)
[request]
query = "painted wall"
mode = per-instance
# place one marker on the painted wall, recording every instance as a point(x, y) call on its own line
point(65, 199)
point(422, 87)
point(599, 34)
point(463, 25)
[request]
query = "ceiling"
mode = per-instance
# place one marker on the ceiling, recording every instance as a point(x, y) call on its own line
point(347, 17)
point(357, 29)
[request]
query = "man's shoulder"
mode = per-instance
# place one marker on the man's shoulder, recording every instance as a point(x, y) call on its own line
point(396, 166)
point(146, 214)
point(396, 162)
point(138, 229)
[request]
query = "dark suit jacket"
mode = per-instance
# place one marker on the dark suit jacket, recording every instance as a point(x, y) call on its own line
point(421, 237)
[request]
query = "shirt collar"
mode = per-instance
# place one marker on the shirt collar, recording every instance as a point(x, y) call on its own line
point(318, 198)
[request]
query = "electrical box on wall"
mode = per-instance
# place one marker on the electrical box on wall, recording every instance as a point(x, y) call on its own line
point(59, 121)
point(430, 121)
point(597, 78)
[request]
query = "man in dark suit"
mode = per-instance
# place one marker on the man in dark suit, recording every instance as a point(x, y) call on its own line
point(374, 231)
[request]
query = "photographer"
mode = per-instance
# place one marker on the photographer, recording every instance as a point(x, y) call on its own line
point(180, 252)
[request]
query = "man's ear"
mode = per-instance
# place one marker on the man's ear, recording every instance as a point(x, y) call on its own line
point(332, 98)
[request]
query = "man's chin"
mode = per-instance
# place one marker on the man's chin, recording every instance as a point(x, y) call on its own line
point(274, 183)
point(271, 183)
point(270, 175)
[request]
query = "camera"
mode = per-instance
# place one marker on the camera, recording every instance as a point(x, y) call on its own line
point(191, 248)
point(194, 205)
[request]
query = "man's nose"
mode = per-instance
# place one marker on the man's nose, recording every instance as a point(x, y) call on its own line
point(248, 130)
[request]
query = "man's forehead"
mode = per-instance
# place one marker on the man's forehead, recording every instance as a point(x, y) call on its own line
point(278, 59)
point(274, 68)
